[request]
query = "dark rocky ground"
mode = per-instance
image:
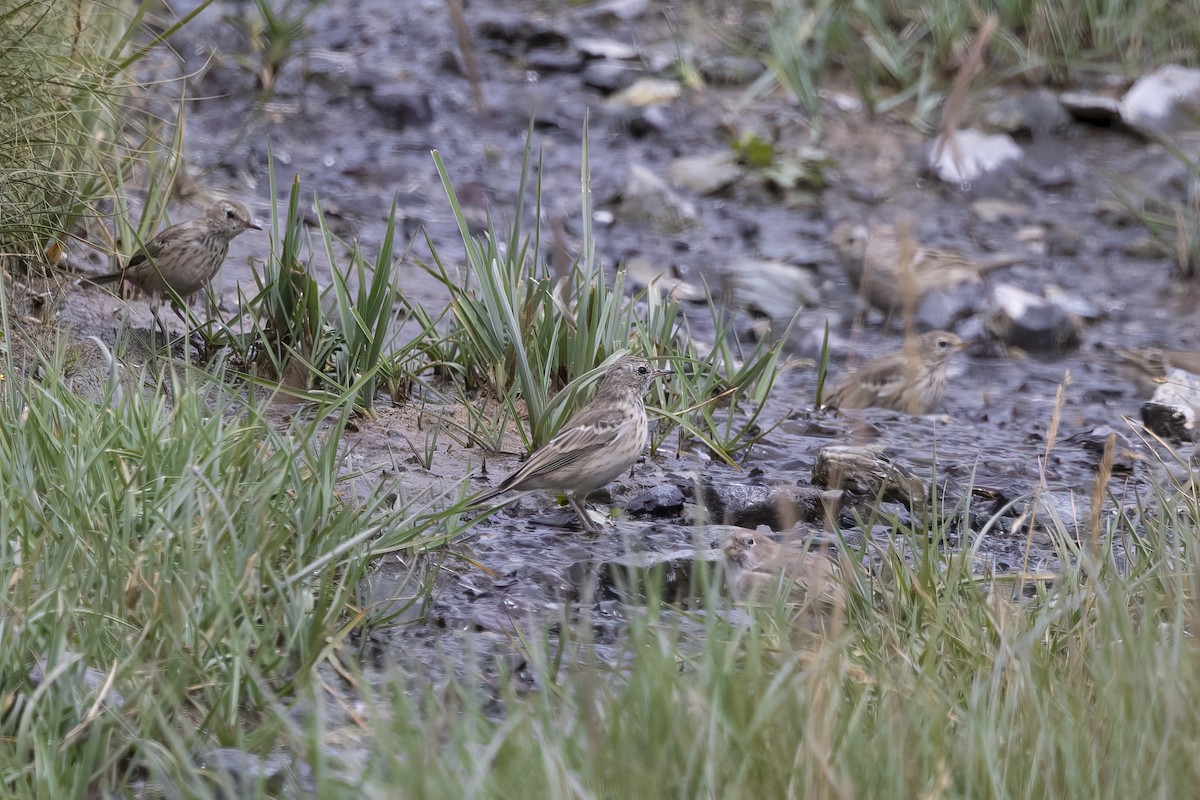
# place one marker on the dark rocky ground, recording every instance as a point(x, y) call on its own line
point(379, 85)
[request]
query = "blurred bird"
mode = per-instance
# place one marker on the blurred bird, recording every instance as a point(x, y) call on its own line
point(910, 380)
point(1148, 366)
point(601, 441)
point(184, 257)
point(756, 566)
point(893, 274)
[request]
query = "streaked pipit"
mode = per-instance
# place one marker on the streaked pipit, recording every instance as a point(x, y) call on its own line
point(184, 257)
point(756, 565)
point(596, 445)
point(891, 279)
point(1148, 366)
point(911, 379)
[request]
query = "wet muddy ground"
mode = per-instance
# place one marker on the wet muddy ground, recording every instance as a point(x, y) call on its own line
point(379, 85)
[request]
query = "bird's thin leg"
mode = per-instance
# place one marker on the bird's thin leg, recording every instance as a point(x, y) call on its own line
point(581, 510)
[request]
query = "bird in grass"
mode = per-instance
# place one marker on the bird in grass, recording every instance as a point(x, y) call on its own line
point(184, 257)
point(890, 279)
point(602, 440)
point(756, 566)
point(911, 380)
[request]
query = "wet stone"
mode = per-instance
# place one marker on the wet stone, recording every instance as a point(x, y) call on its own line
point(647, 199)
point(610, 76)
point(236, 773)
point(627, 577)
point(1092, 107)
point(401, 106)
point(777, 507)
point(1032, 323)
point(706, 173)
point(523, 30)
point(1030, 111)
point(1171, 412)
point(768, 288)
point(658, 501)
point(1164, 102)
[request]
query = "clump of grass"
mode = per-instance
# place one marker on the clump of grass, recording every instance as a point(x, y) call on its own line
point(201, 556)
point(902, 55)
point(63, 137)
point(519, 324)
point(276, 34)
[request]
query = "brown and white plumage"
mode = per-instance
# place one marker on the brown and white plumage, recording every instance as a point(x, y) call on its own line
point(602, 440)
point(1148, 367)
point(911, 380)
point(889, 278)
point(757, 566)
point(184, 257)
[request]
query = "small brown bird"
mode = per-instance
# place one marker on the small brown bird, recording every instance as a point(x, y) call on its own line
point(1148, 366)
point(890, 279)
point(596, 445)
point(910, 380)
point(184, 257)
point(756, 566)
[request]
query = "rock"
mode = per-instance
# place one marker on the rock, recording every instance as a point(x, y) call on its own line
point(237, 774)
point(769, 288)
point(1029, 111)
point(972, 155)
point(864, 473)
point(1030, 322)
point(730, 70)
point(665, 279)
point(401, 105)
point(990, 210)
point(664, 500)
point(1172, 423)
point(778, 507)
point(707, 173)
point(528, 31)
point(609, 76)
point(616, 10)
point(1164, 103)
point(646, 198)
point(607, 49)
point(1095, 442)
point(1171, 412)
point(1091, 107)
point(673, 573)
point(71, 672)
point(555, 60)
point(645, 92)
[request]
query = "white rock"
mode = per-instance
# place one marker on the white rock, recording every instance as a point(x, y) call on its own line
point(974, 153)
point(771, 288)
point(1165, 101)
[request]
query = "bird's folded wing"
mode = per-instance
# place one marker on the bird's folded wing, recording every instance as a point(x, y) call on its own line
point(573, 443)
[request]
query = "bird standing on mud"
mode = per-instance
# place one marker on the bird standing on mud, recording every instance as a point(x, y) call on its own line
point(911, 380)
point(184, 257)
point(875, 261)
point(601, 441)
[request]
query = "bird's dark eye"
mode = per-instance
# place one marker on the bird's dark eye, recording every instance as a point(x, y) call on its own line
point(230, 213)
point(643, 370)
point(943, 343)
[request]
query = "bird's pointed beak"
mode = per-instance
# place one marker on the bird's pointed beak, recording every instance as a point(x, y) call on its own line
point(254, 223)
point(661, 372)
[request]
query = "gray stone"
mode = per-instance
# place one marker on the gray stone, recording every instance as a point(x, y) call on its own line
point(778, 507)
point(1031, 322)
